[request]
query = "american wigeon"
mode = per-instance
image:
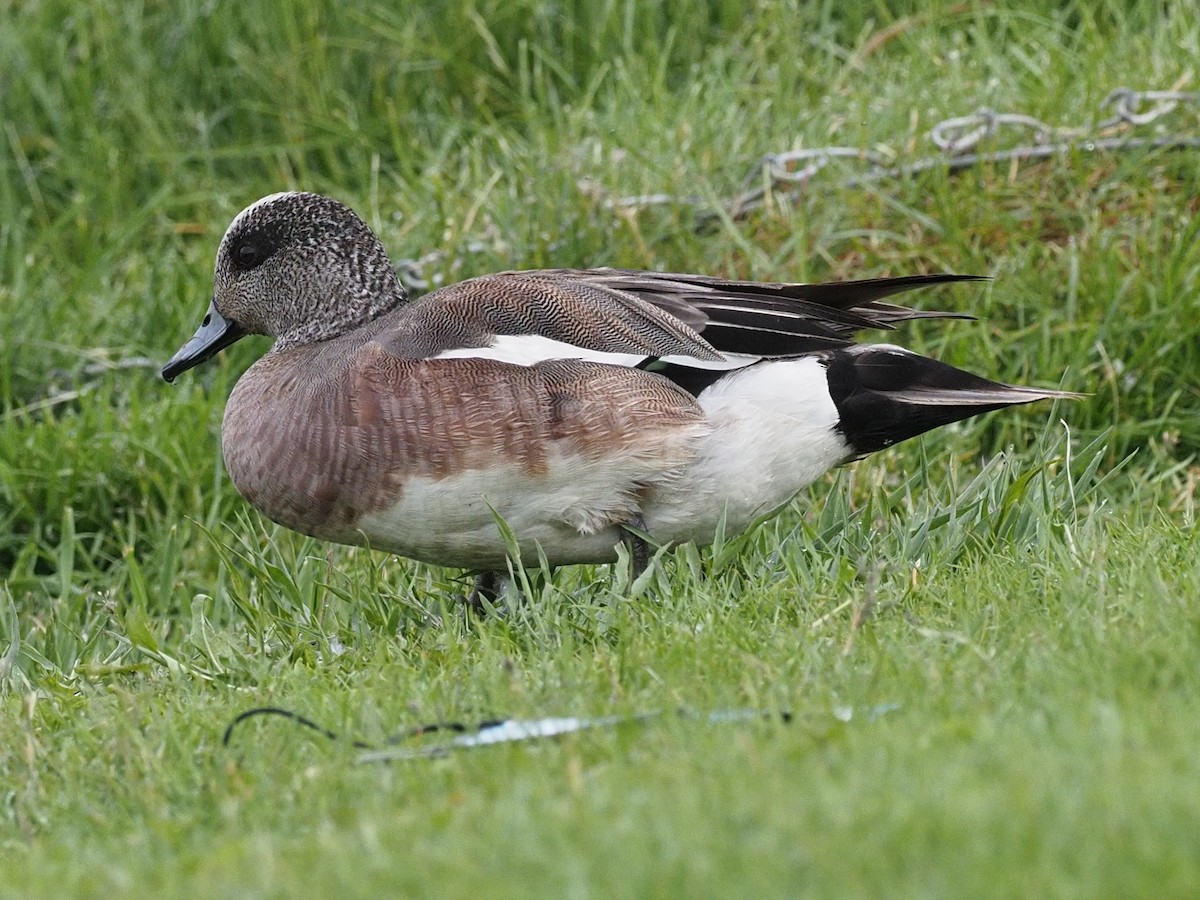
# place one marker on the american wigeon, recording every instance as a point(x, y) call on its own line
point(581, 406)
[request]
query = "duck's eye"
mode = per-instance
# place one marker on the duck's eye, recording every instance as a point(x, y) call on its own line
point(247, 256)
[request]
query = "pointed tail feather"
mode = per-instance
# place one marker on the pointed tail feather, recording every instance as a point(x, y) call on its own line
point(996, 396)
point(885, 394)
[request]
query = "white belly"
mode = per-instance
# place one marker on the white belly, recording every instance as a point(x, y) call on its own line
point(452, 521)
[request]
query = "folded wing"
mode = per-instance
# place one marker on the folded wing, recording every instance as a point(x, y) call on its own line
point(651, 320)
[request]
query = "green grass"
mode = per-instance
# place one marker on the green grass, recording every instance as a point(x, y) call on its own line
point(1032, 575)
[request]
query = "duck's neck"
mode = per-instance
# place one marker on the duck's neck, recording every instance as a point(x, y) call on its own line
point(353, 308)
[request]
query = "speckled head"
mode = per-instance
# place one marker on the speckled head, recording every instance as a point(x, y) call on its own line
point(297, 266)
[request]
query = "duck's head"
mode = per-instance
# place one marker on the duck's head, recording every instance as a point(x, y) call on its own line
point(297, 266)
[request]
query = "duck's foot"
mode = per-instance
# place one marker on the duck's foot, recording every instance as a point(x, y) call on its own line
point(486, 592)
point(640, 551)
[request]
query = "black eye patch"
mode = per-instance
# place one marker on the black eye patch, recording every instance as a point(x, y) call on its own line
point(256, 245)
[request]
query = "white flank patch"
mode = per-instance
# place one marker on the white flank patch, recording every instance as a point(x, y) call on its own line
point(531, 349)
point(773, 433)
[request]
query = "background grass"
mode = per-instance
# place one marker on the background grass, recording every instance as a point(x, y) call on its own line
point(1019, 714)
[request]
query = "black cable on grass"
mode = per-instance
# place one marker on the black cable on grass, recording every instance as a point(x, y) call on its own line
point(492, 731)
point(293, 716)
point(290, 715)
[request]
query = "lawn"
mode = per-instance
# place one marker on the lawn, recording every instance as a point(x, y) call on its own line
point(987, 640)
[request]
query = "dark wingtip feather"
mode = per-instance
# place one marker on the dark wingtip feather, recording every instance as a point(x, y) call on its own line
point(850, 294)
point(787, 317)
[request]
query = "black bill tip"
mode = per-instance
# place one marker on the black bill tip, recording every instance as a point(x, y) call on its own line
point(214, 334)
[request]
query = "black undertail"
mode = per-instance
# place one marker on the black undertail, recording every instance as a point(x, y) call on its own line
point(885, 395)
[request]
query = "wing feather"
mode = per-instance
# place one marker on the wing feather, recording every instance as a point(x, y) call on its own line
point(648, 315)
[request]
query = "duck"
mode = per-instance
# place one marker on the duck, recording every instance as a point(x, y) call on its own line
point(585, 408)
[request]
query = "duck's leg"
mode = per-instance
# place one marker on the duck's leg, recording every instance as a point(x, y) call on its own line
point(486, 591)
point(640, 551)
